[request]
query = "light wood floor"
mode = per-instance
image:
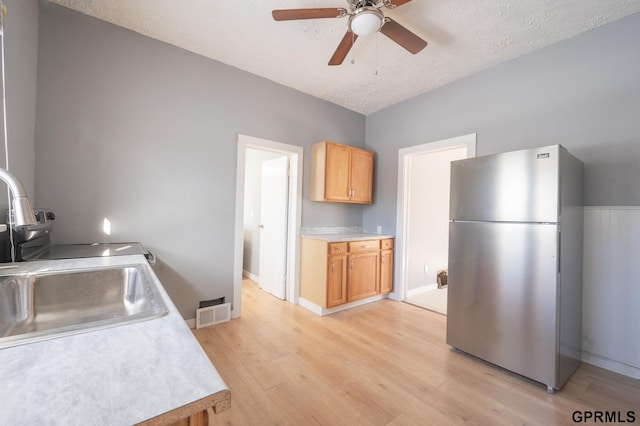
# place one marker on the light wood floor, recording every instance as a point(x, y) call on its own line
point(433, 300)
point(385, 363)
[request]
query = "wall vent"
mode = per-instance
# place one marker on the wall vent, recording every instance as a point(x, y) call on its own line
point(213, 315)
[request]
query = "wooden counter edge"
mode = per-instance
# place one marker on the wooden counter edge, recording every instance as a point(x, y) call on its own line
point(219, 401)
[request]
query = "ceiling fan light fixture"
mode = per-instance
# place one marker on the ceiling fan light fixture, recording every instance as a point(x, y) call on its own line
point(365, 21)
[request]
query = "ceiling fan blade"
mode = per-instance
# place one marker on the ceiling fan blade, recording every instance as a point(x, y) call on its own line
point(343, 48)
point(402, 36)
point(396, 3)
point(291, 14)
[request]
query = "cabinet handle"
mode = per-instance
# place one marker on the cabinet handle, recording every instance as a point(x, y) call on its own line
point(364, 246)
point(351, 264)
point(331, 266)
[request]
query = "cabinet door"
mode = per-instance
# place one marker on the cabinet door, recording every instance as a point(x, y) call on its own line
point(337, 280)
point(336, 186)
point(361, 178)
point(363, 275)
point(386, 271)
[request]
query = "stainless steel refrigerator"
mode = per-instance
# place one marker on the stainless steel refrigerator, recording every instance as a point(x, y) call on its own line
point(515, 261)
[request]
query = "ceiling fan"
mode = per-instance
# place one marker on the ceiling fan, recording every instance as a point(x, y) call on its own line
point(365, 17)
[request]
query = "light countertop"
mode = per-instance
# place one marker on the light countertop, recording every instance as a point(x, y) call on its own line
point(115, 376)
point(334, 237)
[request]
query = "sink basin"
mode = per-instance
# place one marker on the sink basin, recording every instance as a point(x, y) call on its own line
point(44, 305)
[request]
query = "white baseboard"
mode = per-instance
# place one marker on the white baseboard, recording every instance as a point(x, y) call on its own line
point(394, 296)
point(310, 306)
point(319, 310)
point(249, 275)
point(611, 365)
point(421, 289)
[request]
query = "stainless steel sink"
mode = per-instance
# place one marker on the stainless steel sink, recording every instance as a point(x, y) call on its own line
point(43, 305)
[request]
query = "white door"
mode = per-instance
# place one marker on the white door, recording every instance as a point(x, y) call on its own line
point(273, 226)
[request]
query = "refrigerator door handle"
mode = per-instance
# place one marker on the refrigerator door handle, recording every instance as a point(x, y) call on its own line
point(559, 251)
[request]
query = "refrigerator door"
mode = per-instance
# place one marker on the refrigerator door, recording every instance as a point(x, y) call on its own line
point(502, 295)
point(518, 186)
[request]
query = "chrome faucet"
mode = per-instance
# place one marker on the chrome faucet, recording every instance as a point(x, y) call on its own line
point(21, 206)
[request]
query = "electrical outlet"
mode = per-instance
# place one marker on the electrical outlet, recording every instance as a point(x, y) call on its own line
point(379, 230)
point(426, 269)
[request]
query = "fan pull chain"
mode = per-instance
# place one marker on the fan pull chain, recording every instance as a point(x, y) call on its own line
point(353, 40)
point(377, 37)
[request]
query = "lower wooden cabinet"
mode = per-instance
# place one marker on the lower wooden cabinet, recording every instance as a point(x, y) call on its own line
point(363, 275)
point(197, 419)
point(386, 271)
point(337, 280)
point(334, 273)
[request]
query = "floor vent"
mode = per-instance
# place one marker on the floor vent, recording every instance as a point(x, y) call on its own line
point(213, 315)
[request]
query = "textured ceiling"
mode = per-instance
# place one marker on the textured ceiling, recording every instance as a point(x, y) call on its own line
point(464, 37)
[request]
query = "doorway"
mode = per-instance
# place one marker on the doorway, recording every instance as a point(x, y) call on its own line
point(266, 192)
point(275, 164)
point(422, 217)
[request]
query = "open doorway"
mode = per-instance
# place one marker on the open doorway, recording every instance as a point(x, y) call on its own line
point(422, 219)
point(274, 168)
point(266, 192)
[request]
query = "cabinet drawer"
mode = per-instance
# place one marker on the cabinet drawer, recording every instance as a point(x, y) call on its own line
point(337, 248)
point(387, 244)
point(359, 246)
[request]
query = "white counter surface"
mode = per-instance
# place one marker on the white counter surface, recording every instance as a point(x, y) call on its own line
point(339, 237)
point(116, 376)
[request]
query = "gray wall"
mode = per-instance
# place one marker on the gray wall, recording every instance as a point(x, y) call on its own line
point(132, 129)
point(21, 56)
point(583, 93)
point(145, 134)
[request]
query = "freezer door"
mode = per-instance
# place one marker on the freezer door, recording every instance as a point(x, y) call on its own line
point(502, 299)
point(519, 186)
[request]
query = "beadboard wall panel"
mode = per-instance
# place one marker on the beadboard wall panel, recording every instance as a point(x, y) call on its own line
point(611, 289)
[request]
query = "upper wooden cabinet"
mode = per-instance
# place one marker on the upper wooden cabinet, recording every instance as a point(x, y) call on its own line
point(341, 173)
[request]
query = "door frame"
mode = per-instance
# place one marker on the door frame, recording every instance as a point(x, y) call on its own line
point(402, 209)
point(294, 218)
